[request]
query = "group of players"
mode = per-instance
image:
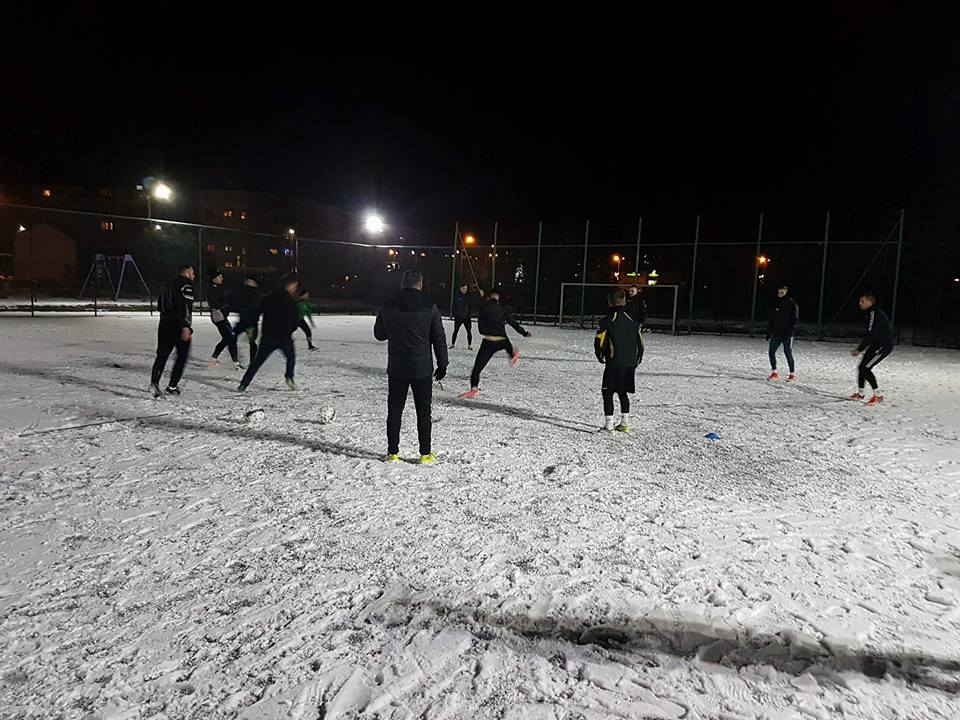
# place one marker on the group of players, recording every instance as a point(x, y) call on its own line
point(412, 326)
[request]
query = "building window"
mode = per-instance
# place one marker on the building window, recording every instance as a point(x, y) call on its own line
point(106, 225)
point(211, 248)
point(228, 248)
point(243, 215)
point(228, 213)
point(47, 192)
point(228, 264)
point(106, 193)
point(274, 251)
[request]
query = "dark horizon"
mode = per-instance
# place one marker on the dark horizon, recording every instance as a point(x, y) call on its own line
point(848, 108)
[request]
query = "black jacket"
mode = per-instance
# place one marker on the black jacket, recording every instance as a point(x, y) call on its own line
point(412, 325)
point(492, 319)
point(636, 308)
point(280, 317)
point(784, 318)
point(618, 340)
point(879, 330)
point(462, 305)
point(176, 303)
point(220, 302)
point(249, 302)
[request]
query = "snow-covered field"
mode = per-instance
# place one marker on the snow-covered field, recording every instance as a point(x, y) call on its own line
point(167, 559)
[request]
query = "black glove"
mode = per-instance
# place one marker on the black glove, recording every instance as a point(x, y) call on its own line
point(768, 338)
point(440, 373)
point(603, 360)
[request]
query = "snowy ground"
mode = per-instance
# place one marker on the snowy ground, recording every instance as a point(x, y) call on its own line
point(166, 559)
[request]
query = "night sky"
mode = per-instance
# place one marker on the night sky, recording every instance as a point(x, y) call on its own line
point(855, 106)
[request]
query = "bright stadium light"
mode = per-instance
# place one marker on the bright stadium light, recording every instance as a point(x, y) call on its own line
point(374, 224)
point(162, 191)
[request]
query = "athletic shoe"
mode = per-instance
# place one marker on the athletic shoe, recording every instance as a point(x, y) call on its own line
point(452, 347)
point(172, 390)
point(774, 376)
point(392, 457)
point(212, 363)
point(622, 428)
point(428, 459)
point(875, 400)
point(471, 394)
point(242, 388)
point(155, 390)
point(238, 366)
point(856, 396)
point(791, 378)
point(291, 384)
point(516, 357)
point(312, 347)
point(469, 347)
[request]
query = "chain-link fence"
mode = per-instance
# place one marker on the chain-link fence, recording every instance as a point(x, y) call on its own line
point(727, 268)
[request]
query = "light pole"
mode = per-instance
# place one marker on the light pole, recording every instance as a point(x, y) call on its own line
point(158, 190)
point(292, 235)
point(619, 261)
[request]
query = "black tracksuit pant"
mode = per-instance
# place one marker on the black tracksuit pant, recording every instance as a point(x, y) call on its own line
point(462, 322)
point(228, 339)
point(869, 360)
point(266, 349)
point(306, 331)
point(488, 348)
point(422, 400)
point(608, 402)
point(252, 331)
point(168, 339)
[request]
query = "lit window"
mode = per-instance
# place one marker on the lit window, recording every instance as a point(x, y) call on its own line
point(274, 251)
point(106, 225)
point(228, 213)
point(243, 215)
point(47, 193)
point(228, 248)
point(228, 264)
point(211, 247)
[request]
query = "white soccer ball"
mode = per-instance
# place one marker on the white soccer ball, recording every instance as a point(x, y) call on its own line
point(254, 416)
point(326, 415)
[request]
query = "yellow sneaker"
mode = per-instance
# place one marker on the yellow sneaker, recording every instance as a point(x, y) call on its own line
point(392, 457)
point(428, 459)
point(622, 428)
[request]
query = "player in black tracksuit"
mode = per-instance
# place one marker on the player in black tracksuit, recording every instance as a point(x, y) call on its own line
point(875, 346)
point(280, 318)
point(220, 302)
point(174, 330)
point(492, 319)
point(247, 307)
point(413, 326)
point(619, 346)
point(636, 306)
point(462, 308)
point(780, 330)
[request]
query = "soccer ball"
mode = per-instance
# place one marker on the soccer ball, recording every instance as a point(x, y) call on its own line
point(254, 416)
point(326, 415)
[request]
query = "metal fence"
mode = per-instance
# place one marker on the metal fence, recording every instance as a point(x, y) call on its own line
point(727, 268)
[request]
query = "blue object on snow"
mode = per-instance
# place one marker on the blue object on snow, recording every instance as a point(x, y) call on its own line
point(712, 437)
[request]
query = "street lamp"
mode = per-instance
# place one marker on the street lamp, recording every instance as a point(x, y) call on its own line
point(618, 260)
point(763, 260)
point(469, 240)
point(157, 190)
point(374, 224)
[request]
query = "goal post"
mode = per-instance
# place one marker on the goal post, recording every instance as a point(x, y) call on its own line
point(662, 303)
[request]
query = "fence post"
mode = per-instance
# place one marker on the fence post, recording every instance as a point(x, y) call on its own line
point(823, 275)
point(636, 265)
point(493, 258)
point(33, 295)
point(200, 271)
point(96, 284)
point(453, 265)
point(583, 274)
point(896, 276)
point(693, 275)
point(536, 280)
point(756, 273)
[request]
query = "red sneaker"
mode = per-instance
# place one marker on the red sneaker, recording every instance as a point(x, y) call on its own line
point(774, 376)
point(856, 396)
point(875, 400)
point(470, 394)
point(791, 378)
point(516, 357)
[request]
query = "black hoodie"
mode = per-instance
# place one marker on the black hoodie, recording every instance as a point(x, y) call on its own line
point(879, 332)
point(493, 318)
point(412, 324)
point(784, 318)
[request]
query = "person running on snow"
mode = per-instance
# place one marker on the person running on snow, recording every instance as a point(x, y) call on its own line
point(636, 306)
point(305, 312)
point(221, 303)
point(877, 343)
point(462, 308)
point(619, 347)
point(492, 320)
point(249, 302)
point(412, 325)
point(780, 330)
point(174, 330)
point(280, 317)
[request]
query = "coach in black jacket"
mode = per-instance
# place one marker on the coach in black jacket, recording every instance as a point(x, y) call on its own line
point(412, 325)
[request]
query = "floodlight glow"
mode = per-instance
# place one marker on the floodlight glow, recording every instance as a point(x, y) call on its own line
point(374, 224)
point(162, 191)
